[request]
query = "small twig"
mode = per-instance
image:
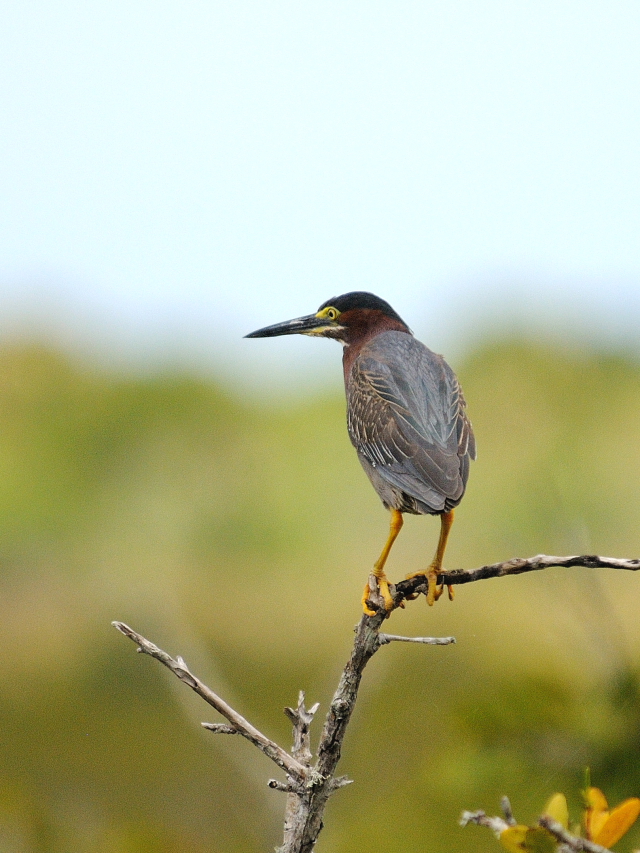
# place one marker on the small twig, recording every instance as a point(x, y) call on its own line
point(341, 782)
point(220, 729)
point(507, 811)
point(179, 668)
point(383, 639)
point(301, 717)
point(278, 786)
point(573, 842)
point(497, 824)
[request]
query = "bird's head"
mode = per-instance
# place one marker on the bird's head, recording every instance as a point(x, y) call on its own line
point(348, 318)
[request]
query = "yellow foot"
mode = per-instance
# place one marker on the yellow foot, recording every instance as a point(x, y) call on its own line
point(434, 590)
point(383, 588)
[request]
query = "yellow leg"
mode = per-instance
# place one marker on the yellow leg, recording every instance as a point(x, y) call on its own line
point(434, 592)
point(395, 527)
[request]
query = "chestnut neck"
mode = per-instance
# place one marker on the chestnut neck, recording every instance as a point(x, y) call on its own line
point(360, 327)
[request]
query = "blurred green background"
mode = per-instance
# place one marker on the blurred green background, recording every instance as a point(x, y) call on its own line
point(177, 174)
point(239, 534)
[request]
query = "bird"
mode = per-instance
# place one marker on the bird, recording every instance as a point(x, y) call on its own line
point(406, 418)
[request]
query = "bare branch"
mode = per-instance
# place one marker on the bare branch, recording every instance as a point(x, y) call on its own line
point(303, 825)
point(271, 749)
point(308, 786)
point(516, 566)
point(383, 639)
point(301, 719)
point(573, 842)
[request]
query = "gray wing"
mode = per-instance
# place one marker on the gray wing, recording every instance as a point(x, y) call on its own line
point(407, 421)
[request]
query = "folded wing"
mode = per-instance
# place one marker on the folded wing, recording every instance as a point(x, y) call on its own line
point(407, 421)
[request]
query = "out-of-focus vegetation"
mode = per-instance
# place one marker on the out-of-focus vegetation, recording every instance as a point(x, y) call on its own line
point(599, 823)
point(240, 536)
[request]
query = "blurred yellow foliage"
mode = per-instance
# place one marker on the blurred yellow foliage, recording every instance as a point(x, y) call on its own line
point(531, 839)
point(536, 839)
point(558, 809)
point(601, 826)
point(604, 826)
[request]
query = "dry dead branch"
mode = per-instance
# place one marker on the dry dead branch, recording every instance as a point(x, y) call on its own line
point(309, 784)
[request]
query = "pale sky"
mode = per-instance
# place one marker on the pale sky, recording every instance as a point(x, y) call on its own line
point(177, 174)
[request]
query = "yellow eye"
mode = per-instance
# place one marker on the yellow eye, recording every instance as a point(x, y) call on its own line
point(329, 313)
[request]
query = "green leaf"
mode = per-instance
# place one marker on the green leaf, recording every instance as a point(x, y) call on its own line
point(531, 839)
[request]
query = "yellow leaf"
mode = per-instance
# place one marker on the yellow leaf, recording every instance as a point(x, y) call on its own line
point(619, 821)
point(596, 799)
point(597, 812)
point(557, 809)
point(528, 839)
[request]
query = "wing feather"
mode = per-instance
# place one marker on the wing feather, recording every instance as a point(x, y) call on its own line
point(407, 420)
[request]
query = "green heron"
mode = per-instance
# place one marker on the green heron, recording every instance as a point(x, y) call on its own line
point(405, 415)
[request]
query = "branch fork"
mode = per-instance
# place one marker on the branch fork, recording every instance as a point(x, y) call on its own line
point(309, 785)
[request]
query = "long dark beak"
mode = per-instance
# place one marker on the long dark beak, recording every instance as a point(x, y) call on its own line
point(299, 326)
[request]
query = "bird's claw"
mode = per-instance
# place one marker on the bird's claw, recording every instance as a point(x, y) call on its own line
point(381, 586)
point(434, 589)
